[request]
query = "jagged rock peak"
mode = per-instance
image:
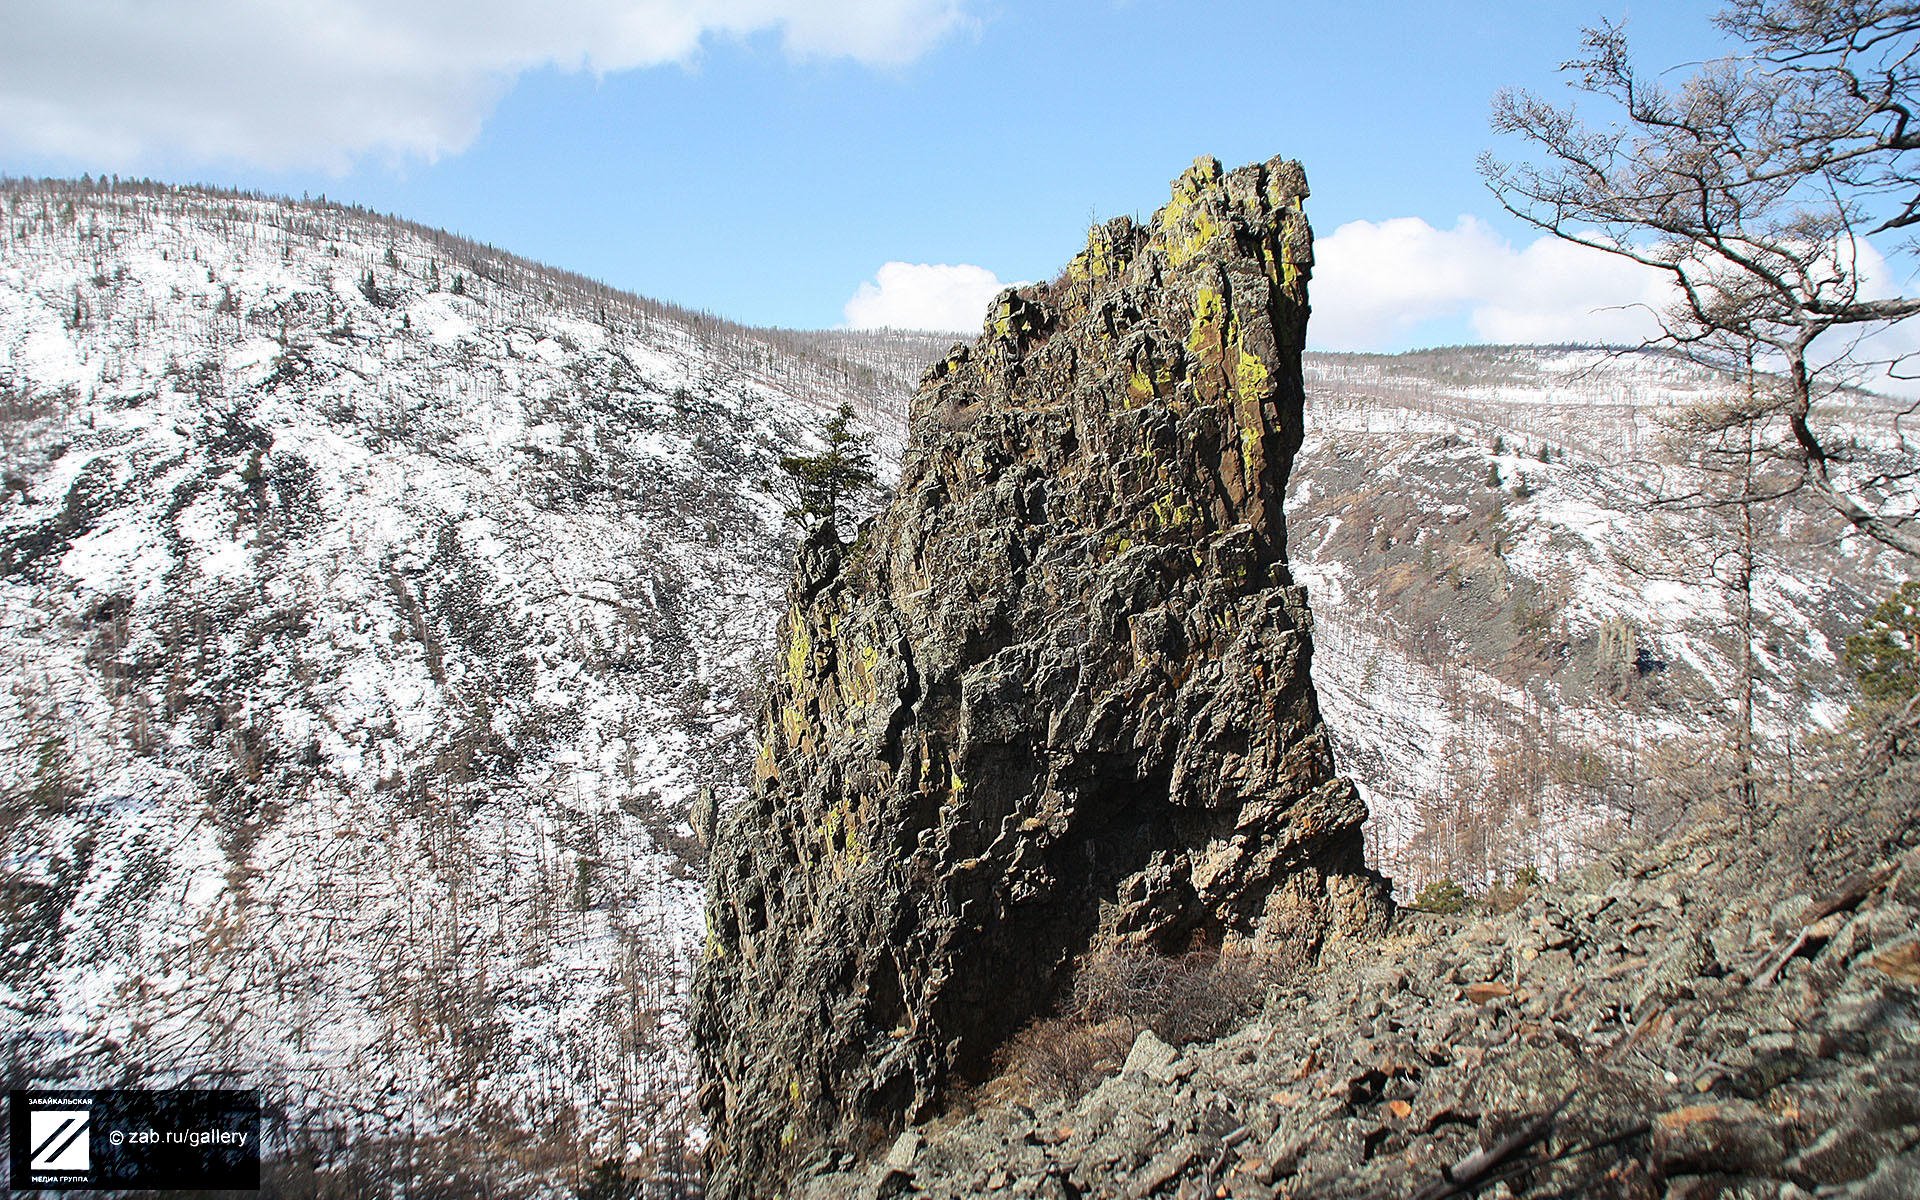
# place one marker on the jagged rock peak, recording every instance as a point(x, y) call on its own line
point(1055, 695)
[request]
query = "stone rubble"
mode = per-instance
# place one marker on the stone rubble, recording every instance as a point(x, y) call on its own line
point(1652, 1001)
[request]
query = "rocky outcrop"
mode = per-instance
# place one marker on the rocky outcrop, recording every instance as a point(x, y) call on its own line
point(1724, 1014)
point(1055, 694)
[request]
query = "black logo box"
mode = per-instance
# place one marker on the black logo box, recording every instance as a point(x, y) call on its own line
point(176, 1138)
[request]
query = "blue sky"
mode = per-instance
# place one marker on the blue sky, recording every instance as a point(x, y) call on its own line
point(766, 158)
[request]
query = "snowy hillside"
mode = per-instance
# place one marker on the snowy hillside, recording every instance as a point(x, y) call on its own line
point(1516, 650)
point(372, 605)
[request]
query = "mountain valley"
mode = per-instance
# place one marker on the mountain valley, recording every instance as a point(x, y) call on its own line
point(378, 609)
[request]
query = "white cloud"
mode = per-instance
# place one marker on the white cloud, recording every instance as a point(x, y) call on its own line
point(1557, 291)
point(1375, 282)
point(288, 83)
point(935, 296)
point(1378, 285)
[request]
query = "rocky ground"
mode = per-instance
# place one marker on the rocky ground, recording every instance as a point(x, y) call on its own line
point(1721, 1014)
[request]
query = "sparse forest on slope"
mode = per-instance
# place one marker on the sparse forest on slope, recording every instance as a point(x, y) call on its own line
point(1528, 620)
point(372, 606)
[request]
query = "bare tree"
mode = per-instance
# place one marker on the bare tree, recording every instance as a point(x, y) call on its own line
point(1728, 449)
point(1753, 187)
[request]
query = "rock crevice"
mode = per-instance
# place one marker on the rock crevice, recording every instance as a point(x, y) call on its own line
point(1056, 693)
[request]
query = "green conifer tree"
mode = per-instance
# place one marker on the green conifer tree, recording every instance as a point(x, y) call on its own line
point(1885, 654)
point(817, 486)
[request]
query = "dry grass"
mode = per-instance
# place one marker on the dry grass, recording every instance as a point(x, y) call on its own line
point(1116, 993)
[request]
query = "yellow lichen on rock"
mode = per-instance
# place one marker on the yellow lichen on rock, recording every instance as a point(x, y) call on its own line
point(1194, 242)
point(1250, 376)
point(1210, 315)
point(799, 649)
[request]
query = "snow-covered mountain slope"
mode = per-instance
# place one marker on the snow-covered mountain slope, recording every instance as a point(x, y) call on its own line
point(373, 605)
point(1518, 650)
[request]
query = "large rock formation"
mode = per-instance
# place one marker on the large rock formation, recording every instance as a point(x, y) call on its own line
point(1056, 693)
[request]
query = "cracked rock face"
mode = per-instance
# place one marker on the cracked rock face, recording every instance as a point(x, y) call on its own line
point(1055, 694)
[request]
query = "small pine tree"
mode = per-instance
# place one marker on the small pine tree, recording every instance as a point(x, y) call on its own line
point(1885, 654)
point(817, 486)
point(582, 884)
point(1443, 896)
point(608, 1180)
